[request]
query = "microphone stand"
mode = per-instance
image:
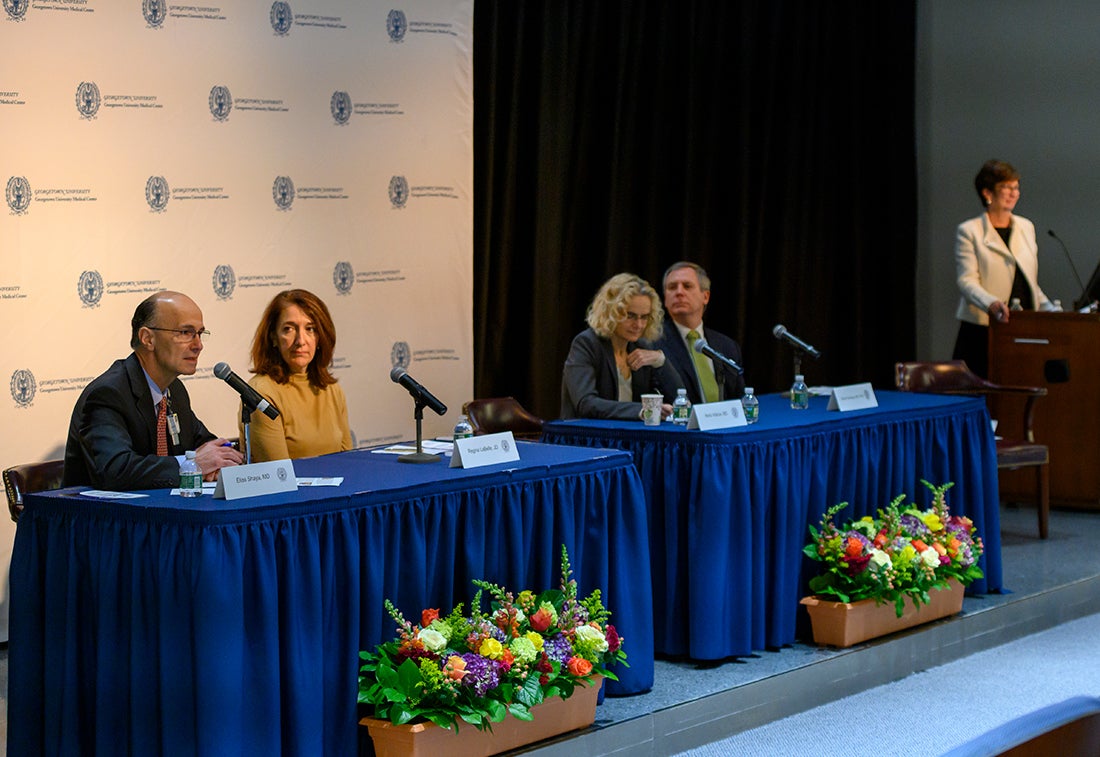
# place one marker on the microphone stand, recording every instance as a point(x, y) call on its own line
point(246, 419)
point(420, 456)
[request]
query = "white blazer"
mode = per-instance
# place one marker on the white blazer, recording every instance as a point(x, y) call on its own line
point(985, 267)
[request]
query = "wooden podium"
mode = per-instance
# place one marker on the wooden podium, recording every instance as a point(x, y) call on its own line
point(1060, 351)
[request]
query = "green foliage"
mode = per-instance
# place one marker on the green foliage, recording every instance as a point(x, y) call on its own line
point(480, 668)
point(903, 553)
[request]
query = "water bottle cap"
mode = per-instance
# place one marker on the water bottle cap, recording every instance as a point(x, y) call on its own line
point(681, 391)
point(748, 390)
point(190, 454)
point(799, 377)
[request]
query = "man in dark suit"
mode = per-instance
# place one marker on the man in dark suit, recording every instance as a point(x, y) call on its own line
point(130, 425)
point(687, 292)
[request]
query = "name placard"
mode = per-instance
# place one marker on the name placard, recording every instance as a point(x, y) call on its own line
point(475, 451)
point(240, 481)
point(714, 415)
point(852, 397)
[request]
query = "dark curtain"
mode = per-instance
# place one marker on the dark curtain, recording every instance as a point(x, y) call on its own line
point(771, 142)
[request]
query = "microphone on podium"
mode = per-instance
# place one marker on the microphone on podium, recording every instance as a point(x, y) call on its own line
point(1080, 302)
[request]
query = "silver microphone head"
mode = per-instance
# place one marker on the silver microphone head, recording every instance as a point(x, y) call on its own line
point(396, 374)
point(779, 331)
point(222, 370)
point(700, 343)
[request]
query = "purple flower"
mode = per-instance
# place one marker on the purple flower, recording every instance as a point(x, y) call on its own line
point(914, 526)
point(482, 673)
point(558, 648)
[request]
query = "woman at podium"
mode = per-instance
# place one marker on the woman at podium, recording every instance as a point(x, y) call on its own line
point(996, 264)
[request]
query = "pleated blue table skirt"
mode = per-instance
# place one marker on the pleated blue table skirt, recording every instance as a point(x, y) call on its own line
point(729, 510)
point(203, 627)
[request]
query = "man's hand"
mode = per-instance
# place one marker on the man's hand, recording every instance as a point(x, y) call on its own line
point(215, 455)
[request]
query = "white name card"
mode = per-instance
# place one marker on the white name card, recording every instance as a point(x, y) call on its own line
point(852, 397)
point(714, 415)
point(475, 451)
point(240, 481)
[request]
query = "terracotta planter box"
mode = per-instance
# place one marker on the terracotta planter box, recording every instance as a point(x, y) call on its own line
point(841, 624)
point(552, 717)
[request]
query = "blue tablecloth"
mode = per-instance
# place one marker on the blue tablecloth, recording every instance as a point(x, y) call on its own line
point(204, 627)
point(728, 510)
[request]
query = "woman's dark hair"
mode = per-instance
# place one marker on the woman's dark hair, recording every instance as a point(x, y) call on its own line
point(994, 172)
point(266, 358)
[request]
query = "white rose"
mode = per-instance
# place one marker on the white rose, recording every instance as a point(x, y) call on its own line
point(432, 640)
point(594, 636)
point(930, 557)
point(880, 559)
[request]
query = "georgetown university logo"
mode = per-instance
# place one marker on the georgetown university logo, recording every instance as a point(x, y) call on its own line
point(87, 99)
point(90, 288)
point(16, 8)
point(154, 12)
point(23, 387)
point(281, 18)
point(396, 25)
point(220, 101)
point(343, 277)
point(156, 193)
point(283, 192)
point(399, 191)
point(18, 194)
point(340, 105)
point(224, 282)
point(400, 355)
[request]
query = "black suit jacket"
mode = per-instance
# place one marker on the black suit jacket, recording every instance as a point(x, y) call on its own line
point(731, 384)
point(590, 384)
point(112, 441)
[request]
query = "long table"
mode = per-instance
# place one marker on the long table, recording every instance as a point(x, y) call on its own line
point(163, 625)
point(729, 510)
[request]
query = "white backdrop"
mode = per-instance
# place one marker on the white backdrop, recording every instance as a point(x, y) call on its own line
point(229, 151)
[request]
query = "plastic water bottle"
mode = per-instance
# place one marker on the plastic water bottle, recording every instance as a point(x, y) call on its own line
point(1014, 304)
point(681, 408)
point(190, 476)
point(1058, 306)
point(751, 405)
point(463, 429)
point(800, 394)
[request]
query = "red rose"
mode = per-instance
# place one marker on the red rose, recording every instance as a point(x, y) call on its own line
point(427, 616)
point(578, 666)
point(541, 620)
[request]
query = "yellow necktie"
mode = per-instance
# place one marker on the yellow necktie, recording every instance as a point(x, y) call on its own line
point(703, 369)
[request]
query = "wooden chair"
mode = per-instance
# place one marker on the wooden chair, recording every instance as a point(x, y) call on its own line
point(28, 478)
point(1017, 447)
point(495, 414)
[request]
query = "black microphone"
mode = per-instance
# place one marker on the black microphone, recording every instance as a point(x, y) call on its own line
point(1071, 265)
point(419, 393)
point(704, 348)
point(780, 332)
point(249, 396)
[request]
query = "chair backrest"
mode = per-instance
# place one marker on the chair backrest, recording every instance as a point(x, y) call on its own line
point(495, 414)
point(28, 478)
point(954, 377)
point(944, 377)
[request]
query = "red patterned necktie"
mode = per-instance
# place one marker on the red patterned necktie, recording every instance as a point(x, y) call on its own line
point(162, 427)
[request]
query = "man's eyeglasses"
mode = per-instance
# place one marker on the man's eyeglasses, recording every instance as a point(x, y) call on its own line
point(186, 334)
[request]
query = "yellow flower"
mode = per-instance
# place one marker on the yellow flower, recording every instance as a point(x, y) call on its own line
point(932, 521)
point(491, 648)
point(536, 639)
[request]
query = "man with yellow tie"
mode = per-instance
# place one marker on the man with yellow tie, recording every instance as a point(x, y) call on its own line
point(687, 292)
point(132, 423)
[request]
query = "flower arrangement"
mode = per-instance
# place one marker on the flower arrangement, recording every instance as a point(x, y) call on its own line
point(904, 552)
point(478, 669)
